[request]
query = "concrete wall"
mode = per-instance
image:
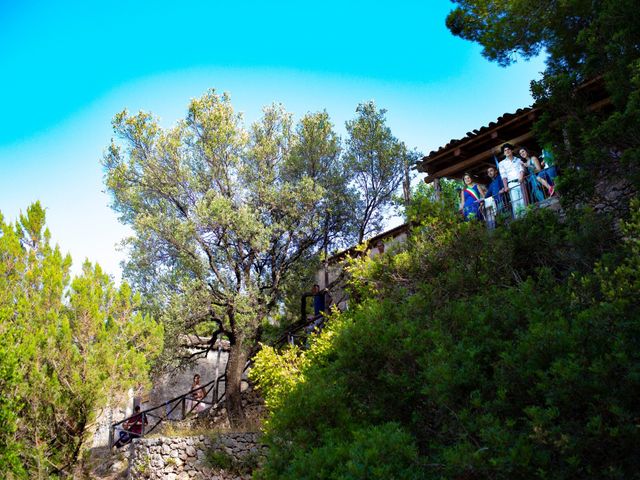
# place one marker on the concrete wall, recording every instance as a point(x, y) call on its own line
point(173, 384)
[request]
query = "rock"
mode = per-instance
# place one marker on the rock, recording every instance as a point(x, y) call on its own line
point(190, 451)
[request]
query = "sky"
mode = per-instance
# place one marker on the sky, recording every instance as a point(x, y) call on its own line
point(67, 67)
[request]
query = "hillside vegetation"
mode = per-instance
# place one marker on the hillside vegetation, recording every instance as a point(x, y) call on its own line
point(471, 354)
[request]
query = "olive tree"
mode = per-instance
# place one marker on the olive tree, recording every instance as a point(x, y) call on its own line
point(218, 219)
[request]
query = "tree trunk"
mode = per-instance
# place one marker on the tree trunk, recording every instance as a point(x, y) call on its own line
point(238, 356)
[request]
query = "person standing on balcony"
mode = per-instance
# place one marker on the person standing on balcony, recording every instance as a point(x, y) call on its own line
point(512, 172)
point(535, 175)
point(319, 306)
point(493, 198)
point(471, 199)
point(378, 249)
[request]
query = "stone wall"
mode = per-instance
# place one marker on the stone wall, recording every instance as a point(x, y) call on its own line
point(229, 456)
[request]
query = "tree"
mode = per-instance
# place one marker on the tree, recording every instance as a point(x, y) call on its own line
point(425, 194)
point(585, 41)
point(219, 219)
point(79, 343)
point(375, 160)
point(317, 154)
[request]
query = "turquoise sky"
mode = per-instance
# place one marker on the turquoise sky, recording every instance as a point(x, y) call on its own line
point(67, 67)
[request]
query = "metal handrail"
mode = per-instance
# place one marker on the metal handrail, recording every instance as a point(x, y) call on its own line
point(212, 387)
point(175, 403)
point(503, 204)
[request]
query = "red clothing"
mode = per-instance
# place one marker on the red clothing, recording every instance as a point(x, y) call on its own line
point(134, 425)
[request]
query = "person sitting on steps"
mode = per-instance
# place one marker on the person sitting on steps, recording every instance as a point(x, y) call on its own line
point(132, 428)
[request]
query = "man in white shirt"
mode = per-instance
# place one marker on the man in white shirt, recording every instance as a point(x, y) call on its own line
point(512, 172)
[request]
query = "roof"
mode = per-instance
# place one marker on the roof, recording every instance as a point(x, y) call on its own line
point(481, 147)
point(389, 234)
point(476, 150)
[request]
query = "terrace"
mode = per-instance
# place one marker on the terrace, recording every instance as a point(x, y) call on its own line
point(480, 149)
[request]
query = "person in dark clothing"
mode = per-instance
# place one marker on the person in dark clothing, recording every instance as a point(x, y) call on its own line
point(319, 305)
point(132, 428)
point(316, 321)
point(495, 187)
point(494, 203)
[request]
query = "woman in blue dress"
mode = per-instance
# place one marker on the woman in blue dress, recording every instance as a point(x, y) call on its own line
point(536, 176)
point(471, 199)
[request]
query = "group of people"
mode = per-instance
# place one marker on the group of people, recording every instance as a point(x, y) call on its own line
point(517, 180)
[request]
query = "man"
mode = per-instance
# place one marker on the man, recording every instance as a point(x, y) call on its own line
point(319, 306)
point(512, 172)
point(318, 300)
point(493, 197)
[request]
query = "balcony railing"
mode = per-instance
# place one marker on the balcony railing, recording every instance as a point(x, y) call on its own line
point(513, 204)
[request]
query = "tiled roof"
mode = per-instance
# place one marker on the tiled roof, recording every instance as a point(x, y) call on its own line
point(502, 120)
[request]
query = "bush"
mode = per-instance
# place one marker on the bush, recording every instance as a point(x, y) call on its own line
point(224, 461)
point(473, 354)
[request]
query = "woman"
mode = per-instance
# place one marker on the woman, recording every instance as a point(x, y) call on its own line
point(470, 199)
point(197, 393)
point(533, 166)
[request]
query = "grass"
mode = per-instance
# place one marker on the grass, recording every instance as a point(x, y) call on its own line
point(220, 459)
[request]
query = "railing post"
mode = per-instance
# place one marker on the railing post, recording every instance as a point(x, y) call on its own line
point(437, 189)
point(219, 340)
point(110, 436)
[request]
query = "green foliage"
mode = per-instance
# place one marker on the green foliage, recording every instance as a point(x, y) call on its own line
point(221, 216)
point(9, 406)
point(374, 452)
point(68, 346)
point(424, 198)
point(472, 354)
point(226, 220)
point(375, 159)
point(219, 459)
point(316, 153)
point(586, 41)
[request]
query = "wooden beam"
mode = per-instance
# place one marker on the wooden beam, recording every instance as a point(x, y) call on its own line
point(461, 166)
point(468, 142)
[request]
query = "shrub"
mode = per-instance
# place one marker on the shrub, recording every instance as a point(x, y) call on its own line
point(473, 354)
